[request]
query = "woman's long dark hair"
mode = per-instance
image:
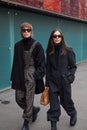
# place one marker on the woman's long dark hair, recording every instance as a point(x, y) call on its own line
point(50, 48)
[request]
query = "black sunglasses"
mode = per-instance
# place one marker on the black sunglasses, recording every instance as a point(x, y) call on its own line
point(55, 36)
point(26, 30)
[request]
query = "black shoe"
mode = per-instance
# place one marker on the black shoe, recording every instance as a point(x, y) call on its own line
point(25, 125)
point(53, 125)
point(73, 120)
point(35, 111)
point(25, 128)
point(53, 128)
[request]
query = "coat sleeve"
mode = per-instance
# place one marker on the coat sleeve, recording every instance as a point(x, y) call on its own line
point(14, 65)
point(72, 62)
point(71, 66)
point(15, 81)
point(17, 73)
point(47, 71)
point(39, 59)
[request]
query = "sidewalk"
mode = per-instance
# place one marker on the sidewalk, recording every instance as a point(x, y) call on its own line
point(11, 114)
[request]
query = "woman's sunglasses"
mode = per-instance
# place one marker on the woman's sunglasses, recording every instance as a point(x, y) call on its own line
point(57, 36)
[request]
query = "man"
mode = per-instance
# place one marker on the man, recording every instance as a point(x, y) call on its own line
point(28, 67)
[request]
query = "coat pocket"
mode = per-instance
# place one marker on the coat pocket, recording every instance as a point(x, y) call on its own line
point(65, 79)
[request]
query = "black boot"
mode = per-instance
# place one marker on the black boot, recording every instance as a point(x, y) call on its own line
point(35, 112)
point(53, 125)
point(73, 120)
point(25, 125)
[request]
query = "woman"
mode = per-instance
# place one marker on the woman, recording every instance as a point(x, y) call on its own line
point(60, 73)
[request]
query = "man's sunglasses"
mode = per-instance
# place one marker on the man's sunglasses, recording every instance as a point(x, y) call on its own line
point(26, 30)
point(57, 36)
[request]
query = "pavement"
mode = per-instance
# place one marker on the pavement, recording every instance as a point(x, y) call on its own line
point(11, 113)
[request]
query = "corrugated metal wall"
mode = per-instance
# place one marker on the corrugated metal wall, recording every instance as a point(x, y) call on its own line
point(74, 31)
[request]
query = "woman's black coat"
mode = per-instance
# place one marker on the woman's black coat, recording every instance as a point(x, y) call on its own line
point(17, 74)
point(65, 67)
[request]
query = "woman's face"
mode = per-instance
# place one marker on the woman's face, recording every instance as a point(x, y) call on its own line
point(57, 37)
point(26, 32)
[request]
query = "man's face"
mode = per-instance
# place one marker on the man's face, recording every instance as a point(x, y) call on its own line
point(26, 32)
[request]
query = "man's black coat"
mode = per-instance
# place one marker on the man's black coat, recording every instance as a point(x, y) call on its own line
point(17, 74)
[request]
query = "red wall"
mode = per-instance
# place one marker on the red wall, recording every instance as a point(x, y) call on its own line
point(53, 5)
point(36, 3)
point(74, 8)
point(83, 9)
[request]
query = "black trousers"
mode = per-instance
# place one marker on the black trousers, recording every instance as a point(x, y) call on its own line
point(64, 99)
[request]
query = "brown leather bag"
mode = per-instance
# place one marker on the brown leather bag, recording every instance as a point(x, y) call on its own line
point(45, 98)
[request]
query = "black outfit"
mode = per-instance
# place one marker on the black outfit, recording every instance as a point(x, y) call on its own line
point(28, 67)
point(17, 75)
point(60, 73)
